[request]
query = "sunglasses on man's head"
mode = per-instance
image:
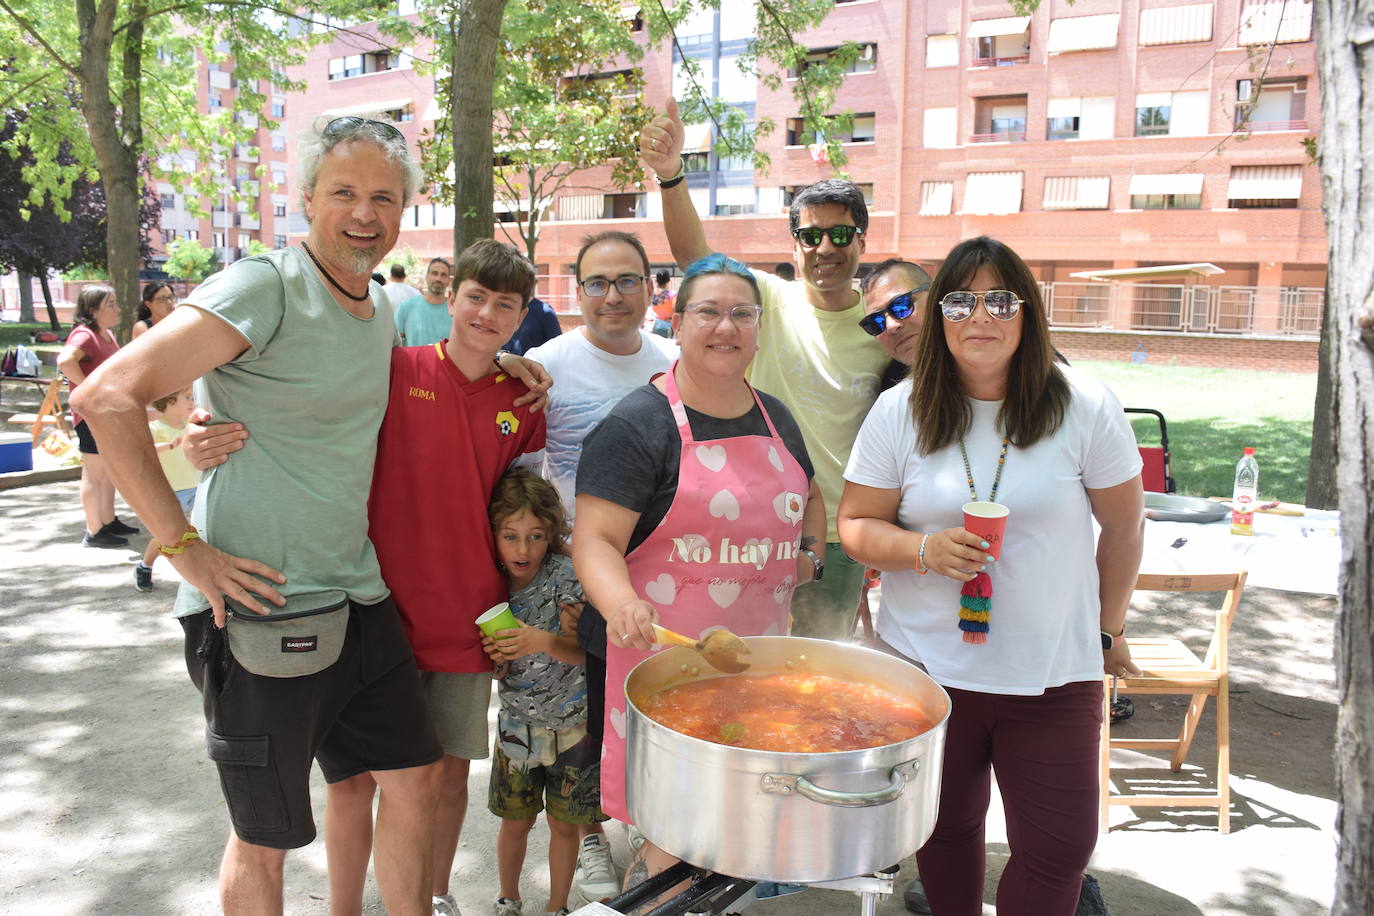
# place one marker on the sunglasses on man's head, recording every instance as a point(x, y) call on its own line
point(349, 122)
point(1001, 304)
point(840, 236)
point(901, 307)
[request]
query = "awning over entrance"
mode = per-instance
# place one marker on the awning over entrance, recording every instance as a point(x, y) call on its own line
point(1199, 269)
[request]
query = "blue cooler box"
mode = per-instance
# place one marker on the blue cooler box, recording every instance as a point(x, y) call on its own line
point(16, 452)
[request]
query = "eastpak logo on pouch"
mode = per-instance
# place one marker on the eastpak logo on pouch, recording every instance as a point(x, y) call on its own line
point(300, 643)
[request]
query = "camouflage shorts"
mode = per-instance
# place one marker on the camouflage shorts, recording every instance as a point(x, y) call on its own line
point(534, 769)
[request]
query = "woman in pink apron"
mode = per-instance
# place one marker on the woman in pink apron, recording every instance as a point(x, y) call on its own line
point(695, 504)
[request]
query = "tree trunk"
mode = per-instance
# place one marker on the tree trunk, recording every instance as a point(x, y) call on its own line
point(25, 297)
point(474, 72)
point(1345, 47)
point(1321, 470)
point(47, 299)
point(115, 134)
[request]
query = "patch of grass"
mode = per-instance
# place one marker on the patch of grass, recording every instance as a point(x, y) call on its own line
point(1214, 413)
point(17, 332)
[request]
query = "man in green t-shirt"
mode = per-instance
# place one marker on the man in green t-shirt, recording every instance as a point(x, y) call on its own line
point(812, 356)
point(295, 343)
point(423, 320)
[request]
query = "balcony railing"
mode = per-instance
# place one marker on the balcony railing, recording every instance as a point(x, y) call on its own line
point(1246, 311)
point(1000, 61)
point(1001, 136)
point(1258, 127)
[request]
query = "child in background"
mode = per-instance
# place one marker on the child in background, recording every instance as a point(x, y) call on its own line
point(167, 430)
point(542, 757)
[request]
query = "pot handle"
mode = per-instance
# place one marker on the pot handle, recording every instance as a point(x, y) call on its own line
point(786, 784)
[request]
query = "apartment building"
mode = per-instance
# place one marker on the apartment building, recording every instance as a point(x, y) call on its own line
point(256, 172)
point(1148, 158)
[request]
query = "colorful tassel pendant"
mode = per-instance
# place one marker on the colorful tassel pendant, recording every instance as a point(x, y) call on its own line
point(975, 603)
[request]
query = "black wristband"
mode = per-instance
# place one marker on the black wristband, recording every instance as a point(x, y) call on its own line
point(664, 184)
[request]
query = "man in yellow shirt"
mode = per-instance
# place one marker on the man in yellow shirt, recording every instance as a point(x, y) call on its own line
point(813, 356)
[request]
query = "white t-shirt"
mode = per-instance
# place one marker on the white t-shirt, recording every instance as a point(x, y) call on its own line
point(399, 292)
point(587, 383)
point(1045, 604)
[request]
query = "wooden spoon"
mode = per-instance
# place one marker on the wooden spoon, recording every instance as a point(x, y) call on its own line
point(719, 647)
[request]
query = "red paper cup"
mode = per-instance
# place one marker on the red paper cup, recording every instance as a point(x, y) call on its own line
point(989, 522)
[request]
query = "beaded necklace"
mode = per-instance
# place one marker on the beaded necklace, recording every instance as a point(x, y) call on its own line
point(335, 283)
point(975, 597)
point(996, 481)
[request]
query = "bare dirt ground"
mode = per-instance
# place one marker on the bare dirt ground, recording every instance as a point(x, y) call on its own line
point(108, 804)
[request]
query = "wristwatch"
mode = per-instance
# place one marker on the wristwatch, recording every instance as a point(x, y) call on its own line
point(815, 561)
point(1108, 640)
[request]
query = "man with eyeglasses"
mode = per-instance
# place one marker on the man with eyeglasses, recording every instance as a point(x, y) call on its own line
point(295, 343)
point(594, 366)
point(423, 320)
point(600, 362)
point(813, 356)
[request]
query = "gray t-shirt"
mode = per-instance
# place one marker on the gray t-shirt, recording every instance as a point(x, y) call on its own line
point(539, 689)
point(311, 388)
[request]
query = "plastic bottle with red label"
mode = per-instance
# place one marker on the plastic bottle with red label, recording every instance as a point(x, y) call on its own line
point(1244, 494)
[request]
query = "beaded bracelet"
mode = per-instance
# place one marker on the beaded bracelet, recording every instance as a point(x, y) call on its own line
point(921, 556)
point(180, 546)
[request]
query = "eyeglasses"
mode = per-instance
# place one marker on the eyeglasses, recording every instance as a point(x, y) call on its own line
point(164, 297)
point(596, 287)
point(1001, 304)
point(347, 123)
point(901, 307)
point(840, 236)
point(706, 315)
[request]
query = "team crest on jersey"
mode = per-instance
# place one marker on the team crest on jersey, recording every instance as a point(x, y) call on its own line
point(507, 423)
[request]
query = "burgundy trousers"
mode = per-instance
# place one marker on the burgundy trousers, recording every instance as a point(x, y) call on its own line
point(1044, 751)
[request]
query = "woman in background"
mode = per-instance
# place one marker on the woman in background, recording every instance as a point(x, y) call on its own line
point(157, 303)
point(90, 343)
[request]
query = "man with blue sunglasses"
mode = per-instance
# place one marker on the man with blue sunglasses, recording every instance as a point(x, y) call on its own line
point(812, 355)
point(894, 297)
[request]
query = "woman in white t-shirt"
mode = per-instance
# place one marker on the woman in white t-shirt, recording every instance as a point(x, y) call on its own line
point(988, 415)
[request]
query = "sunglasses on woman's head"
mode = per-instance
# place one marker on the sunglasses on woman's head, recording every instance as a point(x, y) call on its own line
point(901, 307)
point(1001, 304)
point(840, 236)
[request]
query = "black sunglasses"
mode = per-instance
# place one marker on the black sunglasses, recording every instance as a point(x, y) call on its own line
point(901, 307)
point(349, 122)
point(840, 236)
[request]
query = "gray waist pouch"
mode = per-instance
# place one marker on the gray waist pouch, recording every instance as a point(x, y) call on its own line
point(304, 637)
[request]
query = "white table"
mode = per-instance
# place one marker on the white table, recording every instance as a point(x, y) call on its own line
point(1290, 553)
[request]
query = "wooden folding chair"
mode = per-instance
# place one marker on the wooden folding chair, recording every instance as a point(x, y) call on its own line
point(1170, 667)
point(50, 412)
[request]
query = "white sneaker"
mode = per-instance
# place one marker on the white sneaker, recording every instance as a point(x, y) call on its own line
point(506, 907)
point(445, 905)
point(635, 838)
point(595, 878)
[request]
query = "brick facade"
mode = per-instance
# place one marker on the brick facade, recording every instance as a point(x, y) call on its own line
point(1270, 248)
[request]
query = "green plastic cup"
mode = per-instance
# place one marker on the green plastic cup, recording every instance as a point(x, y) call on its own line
point(496, 619)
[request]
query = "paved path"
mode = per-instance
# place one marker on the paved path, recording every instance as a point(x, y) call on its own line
point(108, 804)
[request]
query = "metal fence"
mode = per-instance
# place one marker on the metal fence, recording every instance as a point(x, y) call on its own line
point(1242, 310)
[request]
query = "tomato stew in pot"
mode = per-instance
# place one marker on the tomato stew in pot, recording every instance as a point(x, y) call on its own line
point(789, 712)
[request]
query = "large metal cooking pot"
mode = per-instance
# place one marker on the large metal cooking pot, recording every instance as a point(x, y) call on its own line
point(771, 816)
